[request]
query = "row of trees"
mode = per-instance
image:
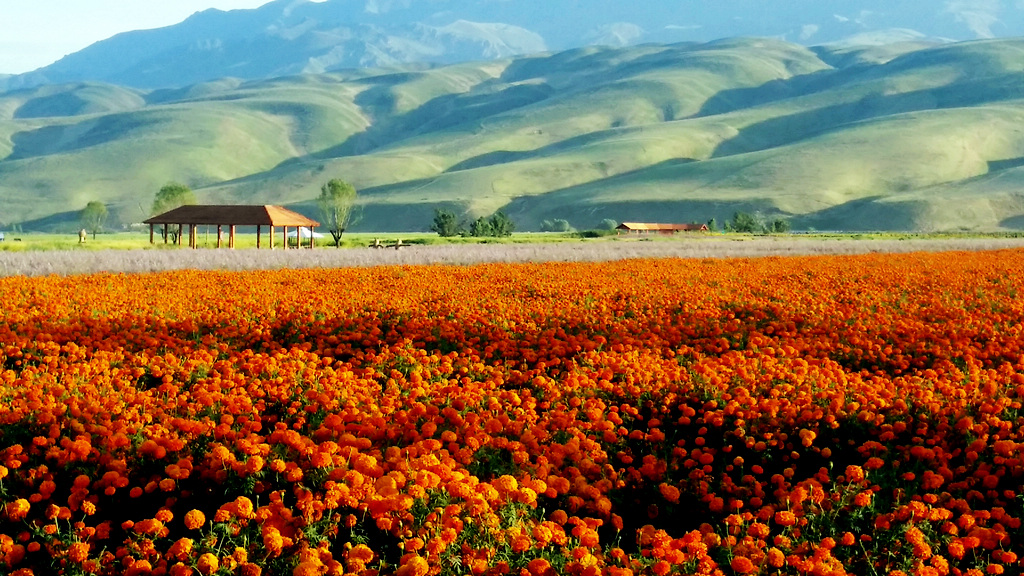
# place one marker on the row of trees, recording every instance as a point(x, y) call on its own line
point(746, 223)
point(497, 225)
point(337, 201)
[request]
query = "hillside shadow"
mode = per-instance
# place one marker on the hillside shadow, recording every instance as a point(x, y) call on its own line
point(62, 138)
point(1008, 164)
point(439, 114)
point(859, 215)
point(506, 156)
point(1015, 222)
point(735, 99)
point(69, 222)
point(792, 128)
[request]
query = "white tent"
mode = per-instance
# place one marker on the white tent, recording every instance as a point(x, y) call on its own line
point(305, 233)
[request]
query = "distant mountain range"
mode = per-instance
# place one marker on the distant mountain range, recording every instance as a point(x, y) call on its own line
point(288, 37)
point(916, 135)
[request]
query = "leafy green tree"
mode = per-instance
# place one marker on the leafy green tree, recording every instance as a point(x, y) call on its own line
point(446, 224)
point(172, 195)
point(336, 200)
point(556, 225)
point(481, 228)
point(501, 225)
point(745, 223)
point(780, 226)
point(712, 225)
point(93, 216)
point(608, 224)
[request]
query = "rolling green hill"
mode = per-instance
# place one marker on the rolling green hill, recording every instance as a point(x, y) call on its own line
point(909, 136)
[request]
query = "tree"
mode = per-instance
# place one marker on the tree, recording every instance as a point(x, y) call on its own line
point(556, 225)
point(93, 217)
point(171, 196)
point(745, 223)
point(608, 224)
point(336, 200)
point(712, 225)
point(780, 226)
point(446, 224)
point(481, 227)
point(501, 225)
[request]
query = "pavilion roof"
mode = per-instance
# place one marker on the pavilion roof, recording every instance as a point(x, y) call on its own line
point(233, 214)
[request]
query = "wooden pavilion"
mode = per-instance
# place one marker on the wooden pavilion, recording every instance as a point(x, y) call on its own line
point(232, 216)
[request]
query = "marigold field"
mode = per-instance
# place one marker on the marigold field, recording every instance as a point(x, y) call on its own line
point(810, 415)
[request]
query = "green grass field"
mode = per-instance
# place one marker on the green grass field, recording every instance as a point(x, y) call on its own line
point(909, 137)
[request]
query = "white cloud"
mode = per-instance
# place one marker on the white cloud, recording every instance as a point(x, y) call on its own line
point(617, 34)
point(977, 15)
point(807, 31)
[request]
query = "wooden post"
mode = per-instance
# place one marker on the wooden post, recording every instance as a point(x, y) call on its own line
point(220, 236)
point(192, 236)
point(285, 237)
point(312, 239)
point(181, 229)
point(271, 236)
point(151, 234)
point(231, 237)
point(165, 233)
point(259, 231)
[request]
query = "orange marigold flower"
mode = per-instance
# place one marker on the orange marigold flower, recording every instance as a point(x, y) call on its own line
point(862, 499)
point(195, 519)
point(244, 508)
point(854, 473)
point(540, 567)
point(18, 509)
point(307, 568)
point(669, 492)
point(414, 566)
point(78, 552)
point(742, 565)
point(785, 518)
point(207, 564)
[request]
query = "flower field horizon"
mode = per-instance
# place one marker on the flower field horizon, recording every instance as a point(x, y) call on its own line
point(856, 414)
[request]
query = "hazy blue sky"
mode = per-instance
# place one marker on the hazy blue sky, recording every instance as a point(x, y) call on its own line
point(34, 33)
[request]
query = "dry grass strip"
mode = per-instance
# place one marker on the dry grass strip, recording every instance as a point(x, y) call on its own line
point(71, 262)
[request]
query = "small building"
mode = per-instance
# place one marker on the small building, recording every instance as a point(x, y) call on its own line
point(655, 228)
point(232, 216)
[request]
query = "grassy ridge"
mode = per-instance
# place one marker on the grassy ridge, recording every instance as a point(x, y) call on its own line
point(911, 136)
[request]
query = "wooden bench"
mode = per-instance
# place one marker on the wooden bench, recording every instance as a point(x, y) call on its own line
point(398, 244)
point(377, 243)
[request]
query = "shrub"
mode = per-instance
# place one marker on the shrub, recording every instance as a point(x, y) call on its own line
point(556, 225)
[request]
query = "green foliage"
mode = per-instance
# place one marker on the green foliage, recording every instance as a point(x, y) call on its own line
point(336, 200)
point(498, 225)
point(93, 216)
point(501, 225)
point(446, 224)
point(556, 225)
point(608, 224)
point(712, 225)
point(779, 226)
point(481, 228)
point(745, 223)
point(172, 195)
